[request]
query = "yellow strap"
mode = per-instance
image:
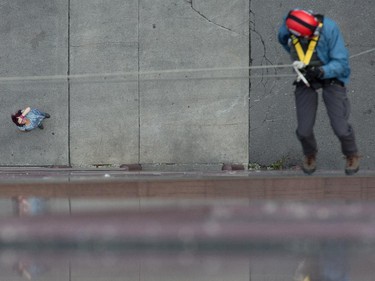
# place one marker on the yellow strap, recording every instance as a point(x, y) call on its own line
point(298, 47)
point(306, 58)
point(307, 278)
point(310, 50)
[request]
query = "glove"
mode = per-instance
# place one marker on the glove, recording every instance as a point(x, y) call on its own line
point(313, 73)
point(298, 64)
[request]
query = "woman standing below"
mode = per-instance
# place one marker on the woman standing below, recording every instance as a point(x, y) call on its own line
point(28, 119)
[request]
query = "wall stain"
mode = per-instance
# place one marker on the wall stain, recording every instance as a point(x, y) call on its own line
point(37, 39)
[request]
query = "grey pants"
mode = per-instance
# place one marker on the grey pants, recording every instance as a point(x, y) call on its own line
point(338, 109)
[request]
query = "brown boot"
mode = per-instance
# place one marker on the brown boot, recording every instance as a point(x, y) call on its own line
point(309, 164)
point(352, 164)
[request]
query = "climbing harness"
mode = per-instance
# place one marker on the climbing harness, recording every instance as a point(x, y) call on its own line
point(305, 58)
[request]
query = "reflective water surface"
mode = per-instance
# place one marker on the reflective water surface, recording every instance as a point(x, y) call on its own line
point(233, 244)
point(329, 264)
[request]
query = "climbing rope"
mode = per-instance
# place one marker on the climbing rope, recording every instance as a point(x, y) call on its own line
point(138, 74)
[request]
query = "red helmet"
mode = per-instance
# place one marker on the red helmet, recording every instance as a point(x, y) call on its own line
point(301, 23)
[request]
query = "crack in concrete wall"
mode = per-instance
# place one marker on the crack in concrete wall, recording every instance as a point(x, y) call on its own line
point(264, 60)
point(263, 81)
point(252, 27)
point(191, 2)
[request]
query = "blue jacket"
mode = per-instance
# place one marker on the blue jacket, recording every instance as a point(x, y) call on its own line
point(36, 117)
point(331, 50)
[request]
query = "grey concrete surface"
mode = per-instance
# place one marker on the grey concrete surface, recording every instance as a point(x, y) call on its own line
point(185, 118)
point(104, 117)
point(34, 43)
point(155, 113)
point(193, 120)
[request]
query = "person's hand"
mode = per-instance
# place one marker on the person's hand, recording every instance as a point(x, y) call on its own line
point(313, 73)
point(298, 64)
point(21, 119)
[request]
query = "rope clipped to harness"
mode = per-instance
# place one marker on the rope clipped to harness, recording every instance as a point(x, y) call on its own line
point(305, 58)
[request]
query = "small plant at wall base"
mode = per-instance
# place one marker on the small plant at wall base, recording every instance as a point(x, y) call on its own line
point(278, 165)
point(254, 166)
point(282, 164)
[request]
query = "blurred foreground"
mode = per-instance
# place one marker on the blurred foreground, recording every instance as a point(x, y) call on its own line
point(116, 225)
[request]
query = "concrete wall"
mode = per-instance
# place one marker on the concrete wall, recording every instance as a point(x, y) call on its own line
point(34, 42)
point(183, 117)
point(156, 113)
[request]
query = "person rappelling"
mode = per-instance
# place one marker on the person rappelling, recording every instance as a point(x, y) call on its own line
point(321, 61)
